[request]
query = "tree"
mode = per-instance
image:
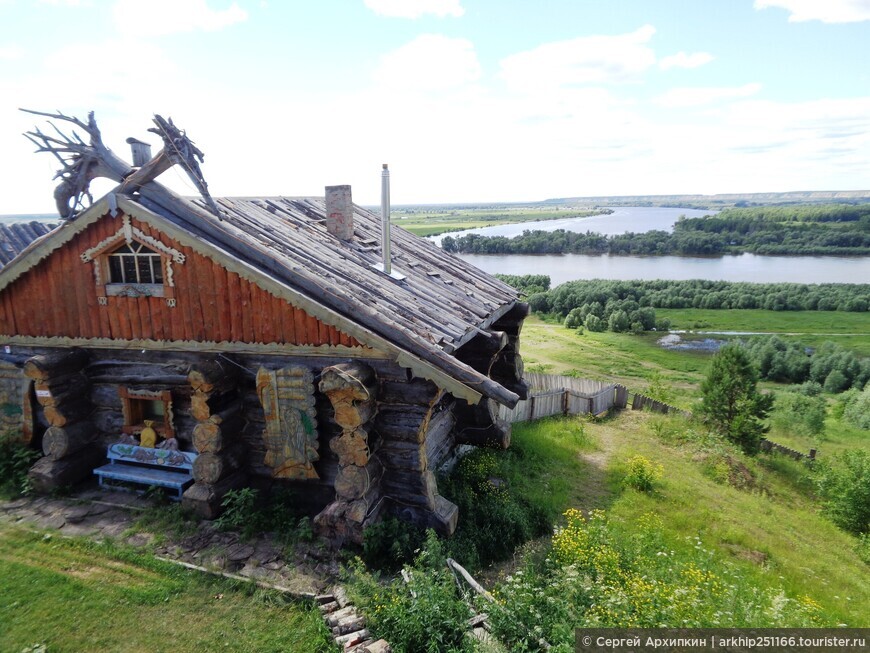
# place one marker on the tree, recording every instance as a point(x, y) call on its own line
point(731, 402)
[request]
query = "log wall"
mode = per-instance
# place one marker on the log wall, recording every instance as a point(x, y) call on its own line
point(58, 297)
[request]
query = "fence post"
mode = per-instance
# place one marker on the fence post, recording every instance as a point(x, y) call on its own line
point(531, 408)
point(565, 402)
point(812, 454)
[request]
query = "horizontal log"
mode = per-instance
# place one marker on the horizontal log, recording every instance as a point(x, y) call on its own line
point(413, 488)
point(45, 366)
point(49, 474)
point(400, 454)
point(60, 442)
point(402, 422)
point(61, 398)
point(418, 391)
point(439, 438)
point(68, 413)
point(209, 376)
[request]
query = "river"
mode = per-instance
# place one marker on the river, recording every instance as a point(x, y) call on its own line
point(741, 267)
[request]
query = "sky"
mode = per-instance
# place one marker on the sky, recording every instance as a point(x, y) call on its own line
point(467, 100)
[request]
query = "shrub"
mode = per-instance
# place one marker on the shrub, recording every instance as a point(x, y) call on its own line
point(594, 323)
point(642, 474)
point(247, 513)
point(857, 409)
point(800, 413)
point(425, 614)
point(16, 459)
point(844, 485)
point(390, 543)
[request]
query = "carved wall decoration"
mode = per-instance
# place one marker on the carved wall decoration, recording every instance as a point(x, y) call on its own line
point(287, 397)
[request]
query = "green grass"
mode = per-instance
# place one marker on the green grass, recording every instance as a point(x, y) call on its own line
point(75, 595)
point(612, 357)
point(769, 529)
point(432, 223)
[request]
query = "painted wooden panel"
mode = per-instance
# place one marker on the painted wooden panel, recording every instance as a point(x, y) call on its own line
point(287, 397)
point(59, 297)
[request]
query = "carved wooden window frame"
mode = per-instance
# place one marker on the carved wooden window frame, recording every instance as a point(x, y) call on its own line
point(127, 235)
point(132, 404)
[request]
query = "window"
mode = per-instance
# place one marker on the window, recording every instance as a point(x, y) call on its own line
point(133, 263)
point(141, 405)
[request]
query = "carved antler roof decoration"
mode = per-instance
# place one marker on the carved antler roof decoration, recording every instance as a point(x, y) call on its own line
point(83, 161)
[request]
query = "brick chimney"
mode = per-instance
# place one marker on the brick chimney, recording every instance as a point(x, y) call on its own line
point(339, 212)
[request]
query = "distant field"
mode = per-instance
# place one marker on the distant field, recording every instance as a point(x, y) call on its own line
point(851, 330)
point(431, 222)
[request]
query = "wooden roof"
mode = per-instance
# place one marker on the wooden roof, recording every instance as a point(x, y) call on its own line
point(16, 236)
point(282, 243)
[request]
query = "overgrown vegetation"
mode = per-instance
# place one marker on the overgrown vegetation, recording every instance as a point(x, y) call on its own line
point(249, 514)
point(16, 459)
point(844, 485)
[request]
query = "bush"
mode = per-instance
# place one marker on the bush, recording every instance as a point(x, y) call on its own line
point(642, 474)
point(247, 513)
point(857, 409)
point(390, 543)
point(844, 485)
point(594, 323)
point(799, 413)
point(495, 520)
point(16, 459)
point(425, 614)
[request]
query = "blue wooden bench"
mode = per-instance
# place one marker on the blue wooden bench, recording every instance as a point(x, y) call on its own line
point(144, 466)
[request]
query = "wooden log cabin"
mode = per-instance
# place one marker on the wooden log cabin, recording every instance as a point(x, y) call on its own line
point(265, 337)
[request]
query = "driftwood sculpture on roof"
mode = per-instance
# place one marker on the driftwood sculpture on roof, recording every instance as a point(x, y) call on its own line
point(82, 162)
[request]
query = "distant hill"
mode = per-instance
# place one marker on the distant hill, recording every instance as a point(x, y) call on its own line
point(721, 200)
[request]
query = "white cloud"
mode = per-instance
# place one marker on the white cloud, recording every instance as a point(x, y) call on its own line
point(416, 8)
point(685, 60)
point(700, 95)
point(584, 60)
point(161, 17)
point(826, 11)
point(10, 52)
point(429, 62)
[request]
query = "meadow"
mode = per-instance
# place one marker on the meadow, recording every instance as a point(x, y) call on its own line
point(431, 221)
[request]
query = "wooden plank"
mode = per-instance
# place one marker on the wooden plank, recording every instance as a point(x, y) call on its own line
point(205, 296)
point(246, 310)
point(234, 301)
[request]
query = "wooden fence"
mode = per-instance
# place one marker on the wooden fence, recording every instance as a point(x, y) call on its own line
point(565, 395)
point(551, 394)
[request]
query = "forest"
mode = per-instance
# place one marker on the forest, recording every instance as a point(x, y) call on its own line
point(695, 293)
point(816, 230)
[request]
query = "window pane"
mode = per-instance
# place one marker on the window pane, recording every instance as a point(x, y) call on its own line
point(115, 269)
point(144, 269)
point(128, 265)
point(157, 269)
